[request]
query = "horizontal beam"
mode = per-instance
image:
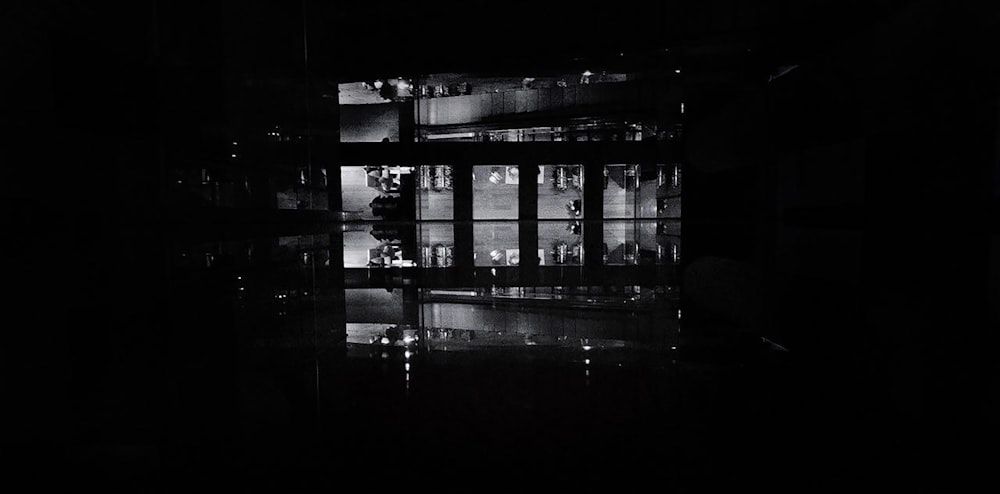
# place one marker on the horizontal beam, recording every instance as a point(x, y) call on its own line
point(473, 153)
point(510, 276)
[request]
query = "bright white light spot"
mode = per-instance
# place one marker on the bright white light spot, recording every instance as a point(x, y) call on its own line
point(234, 156)
point(587, 73)
point(384, 340)
point(407, 377)
point(378, 84)
point(406, 366)
point(407, 339)
point(586, 361)
point(677, 71)
point(241, 288)
point(673, 348)
point(493, 271)
point(235, 143)
point(406, 355)
point(385, 355)
point(682, 108)
point(586, 348)
point(239, 277)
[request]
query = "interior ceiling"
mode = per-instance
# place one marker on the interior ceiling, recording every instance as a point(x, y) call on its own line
point(361, 39)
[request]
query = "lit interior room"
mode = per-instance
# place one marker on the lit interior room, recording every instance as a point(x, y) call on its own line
point(378, 245)
point(620, 191)
point(495, 192)
point(435, 193)
point(496, 243)
point(437, 244)
point(560, 192)
point(377, 192)
point(641, 242)
point(561, 242)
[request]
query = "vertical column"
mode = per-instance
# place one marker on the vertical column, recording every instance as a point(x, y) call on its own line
point(262, 196)
point(461, 176)
point(411, 305)
point(593, 213)
point(462, 196)
point(337, 284)
point(327, 155)
point(407, 125)
point(527, 193)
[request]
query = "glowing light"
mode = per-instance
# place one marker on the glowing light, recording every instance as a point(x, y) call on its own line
point(407, 339)
point(682, 108)
point(239, 277)
point(406, 366)
point(677, 71)
point(673, 348)
point(586, 361)
point(234, 156)
point(235, 143)
point(587, 73)
point(385, 355)
point(586, 348)
point(407, 355)
point(378, 84)
point(241, 288)
point(384, 340)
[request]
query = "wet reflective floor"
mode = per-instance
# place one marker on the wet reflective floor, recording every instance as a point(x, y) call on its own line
point(262, 363)
point(273, 370)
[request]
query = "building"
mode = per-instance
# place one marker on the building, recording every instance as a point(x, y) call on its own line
point(193, 248)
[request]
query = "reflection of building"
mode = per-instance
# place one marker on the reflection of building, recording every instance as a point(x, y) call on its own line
point(438, 256)
point(481, 182)
point(560, 107)
point(541, 204)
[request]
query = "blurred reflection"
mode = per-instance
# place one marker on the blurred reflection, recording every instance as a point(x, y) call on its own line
point(279, 281)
